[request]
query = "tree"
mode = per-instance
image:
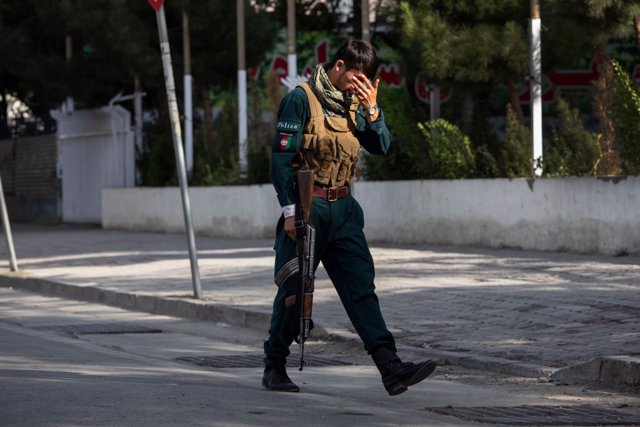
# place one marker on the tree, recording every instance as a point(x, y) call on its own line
point(614, 17)
point(214, 47)
point(515, 155)
point(311, 15)
point(449, 150)
point(573, 150)
point(468, 44)
point(626, 120)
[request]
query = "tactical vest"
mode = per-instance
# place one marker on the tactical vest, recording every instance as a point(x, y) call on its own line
point(329, 146)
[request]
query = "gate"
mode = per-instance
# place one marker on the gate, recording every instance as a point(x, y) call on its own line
point(95, 151)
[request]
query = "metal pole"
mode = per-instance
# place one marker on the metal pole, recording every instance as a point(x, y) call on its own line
point(366, 33)
point(536, 85)
point(188, 92)
point(177, 145)
point(242, 91)
point(7, 230)
point(292, 60)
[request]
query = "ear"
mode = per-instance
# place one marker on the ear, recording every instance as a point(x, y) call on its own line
point(339, 65)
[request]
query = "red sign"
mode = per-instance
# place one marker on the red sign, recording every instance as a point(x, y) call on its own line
point(156, 4)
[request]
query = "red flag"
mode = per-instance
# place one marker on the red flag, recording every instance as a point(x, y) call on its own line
point(156, 4)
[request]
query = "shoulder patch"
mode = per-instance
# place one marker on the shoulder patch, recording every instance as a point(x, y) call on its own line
point(285, 141)
point(288, 126)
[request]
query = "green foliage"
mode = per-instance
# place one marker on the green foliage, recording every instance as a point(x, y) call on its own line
point(213, 37)
point(310, 15)
point(224, 157)
point(515, 155)
point(573, 150)
point(486, 163)
point(407, 157)
point(485, 144)
point(467, 42)
point(626, 119)
point(157, 162)
point(261, 131)
point(613, 17)
point(218, 163)
point(449, 150)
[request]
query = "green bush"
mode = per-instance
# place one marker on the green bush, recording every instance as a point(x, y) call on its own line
point(449, 150)
point(407, 157)
point(573, 151)
point(486, 163)
point(626, 119)
point(485, 144)
point(515, 157)
point(157, 162)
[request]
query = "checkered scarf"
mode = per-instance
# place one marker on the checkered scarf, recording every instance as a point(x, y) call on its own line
point(334, 101)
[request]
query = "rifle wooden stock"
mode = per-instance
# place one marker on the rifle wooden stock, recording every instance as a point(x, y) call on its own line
point(305, 242)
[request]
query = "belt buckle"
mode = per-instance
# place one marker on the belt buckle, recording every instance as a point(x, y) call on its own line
point(330, 197)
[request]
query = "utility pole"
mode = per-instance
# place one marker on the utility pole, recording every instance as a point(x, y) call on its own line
point(13, 264)
point(137, 109)
point(434, 102)
point(68, 54)
point(242, 91)
point(292, 61)
point(535, 64)
point(366, 33)
point(188, 93)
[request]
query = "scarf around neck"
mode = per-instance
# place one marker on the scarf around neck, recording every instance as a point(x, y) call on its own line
point(334, 101)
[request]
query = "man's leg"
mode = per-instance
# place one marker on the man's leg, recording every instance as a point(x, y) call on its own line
point(283, 318)
point(349, 264)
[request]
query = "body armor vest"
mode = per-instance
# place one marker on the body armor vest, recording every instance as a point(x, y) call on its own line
point(329, 146)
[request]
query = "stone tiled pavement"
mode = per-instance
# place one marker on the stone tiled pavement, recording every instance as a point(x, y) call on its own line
point(529, 311)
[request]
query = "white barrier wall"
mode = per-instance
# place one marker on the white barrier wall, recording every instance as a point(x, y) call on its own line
point(567, 214)
point(242, 212)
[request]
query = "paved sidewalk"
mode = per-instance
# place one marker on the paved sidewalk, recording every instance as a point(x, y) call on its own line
point(527, 313)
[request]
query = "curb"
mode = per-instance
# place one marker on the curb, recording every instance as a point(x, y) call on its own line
point(204, 311)
point(614, 371)
point(176, 307)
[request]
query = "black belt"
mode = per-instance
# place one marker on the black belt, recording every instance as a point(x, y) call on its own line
point(331, 194)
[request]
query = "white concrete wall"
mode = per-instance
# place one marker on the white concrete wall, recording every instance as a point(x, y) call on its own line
point(573, 214)
point(243, 212)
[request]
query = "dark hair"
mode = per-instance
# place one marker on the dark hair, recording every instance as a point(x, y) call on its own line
point(357, 55)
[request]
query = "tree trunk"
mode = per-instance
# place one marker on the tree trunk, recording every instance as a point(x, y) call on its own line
point(4, 119)
point(208, 119)
point(514, 101)
point(636, 24)
point(609, 162)
point(467, 113)
point(210, 135)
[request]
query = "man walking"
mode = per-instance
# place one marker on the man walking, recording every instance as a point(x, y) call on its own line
point(321, 126)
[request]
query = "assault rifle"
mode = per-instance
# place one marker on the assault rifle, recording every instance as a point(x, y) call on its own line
point(305, 243)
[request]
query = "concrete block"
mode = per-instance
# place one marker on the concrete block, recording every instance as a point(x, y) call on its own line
point(609, 370)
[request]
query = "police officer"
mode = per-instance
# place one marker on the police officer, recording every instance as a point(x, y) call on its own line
point(321, 126)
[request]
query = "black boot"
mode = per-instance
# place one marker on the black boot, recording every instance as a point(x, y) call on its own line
point(275, 377)
point(397, 376)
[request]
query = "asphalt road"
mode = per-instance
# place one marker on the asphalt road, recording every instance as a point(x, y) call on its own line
point(70, 363)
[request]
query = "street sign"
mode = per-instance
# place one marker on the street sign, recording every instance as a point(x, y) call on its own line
point(156, 4)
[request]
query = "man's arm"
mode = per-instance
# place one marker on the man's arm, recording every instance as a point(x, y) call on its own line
point(292, 117)
point(375, 136)
point(371, 130)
